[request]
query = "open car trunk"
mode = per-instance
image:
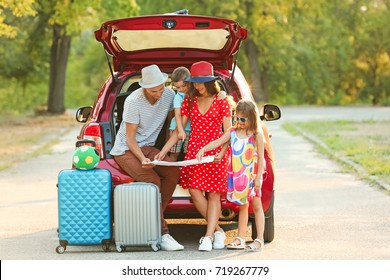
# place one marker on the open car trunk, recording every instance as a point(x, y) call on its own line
point(171, 39)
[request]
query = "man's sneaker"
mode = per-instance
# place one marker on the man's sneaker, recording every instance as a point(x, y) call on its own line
point(168, 243)
point(206, 243)
point(219, 239)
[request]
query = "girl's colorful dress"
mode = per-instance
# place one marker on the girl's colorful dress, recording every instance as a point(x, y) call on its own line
point(209, 177)
point(243, 168)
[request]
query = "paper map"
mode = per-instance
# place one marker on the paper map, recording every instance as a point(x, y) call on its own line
point(184, 162)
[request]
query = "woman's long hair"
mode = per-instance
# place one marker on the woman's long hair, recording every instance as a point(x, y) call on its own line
point(212, 88)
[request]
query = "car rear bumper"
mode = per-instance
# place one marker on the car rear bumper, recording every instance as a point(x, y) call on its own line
point(180, 207)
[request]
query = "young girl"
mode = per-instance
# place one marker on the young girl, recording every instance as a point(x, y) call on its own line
point(246, 168)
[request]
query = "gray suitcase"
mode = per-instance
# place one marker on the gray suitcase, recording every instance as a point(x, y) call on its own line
point(137, 216)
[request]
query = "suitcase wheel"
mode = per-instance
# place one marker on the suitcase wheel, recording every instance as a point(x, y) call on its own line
point(60, 249)
point(156, 247)
point(120, 248)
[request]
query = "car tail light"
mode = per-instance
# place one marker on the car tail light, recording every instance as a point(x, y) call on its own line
point(93, 132)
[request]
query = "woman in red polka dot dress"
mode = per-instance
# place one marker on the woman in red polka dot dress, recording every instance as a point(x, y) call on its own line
point(208, 115)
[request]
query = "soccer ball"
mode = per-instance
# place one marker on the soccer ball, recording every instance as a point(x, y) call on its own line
point(85, 158)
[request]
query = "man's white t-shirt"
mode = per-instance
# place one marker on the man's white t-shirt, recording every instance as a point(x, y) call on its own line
point(149, 117)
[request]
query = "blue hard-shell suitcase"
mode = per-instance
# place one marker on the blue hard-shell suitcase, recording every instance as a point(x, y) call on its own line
point(84, 208)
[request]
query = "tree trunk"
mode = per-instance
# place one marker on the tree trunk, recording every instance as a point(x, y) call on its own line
point(58, 62)
point(259, 78)
point(264, 84)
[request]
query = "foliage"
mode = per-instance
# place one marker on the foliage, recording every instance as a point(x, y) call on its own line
point(22, 75)
point(324, 52)
point(26, 65)
point(88, 69)
point(16, 8)
point(372, 58)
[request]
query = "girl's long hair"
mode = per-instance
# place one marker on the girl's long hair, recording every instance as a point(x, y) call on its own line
point(248, 108)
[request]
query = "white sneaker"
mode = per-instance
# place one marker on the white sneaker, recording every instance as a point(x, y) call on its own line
point(205, 243)
point(168, 243)
point(219, 239)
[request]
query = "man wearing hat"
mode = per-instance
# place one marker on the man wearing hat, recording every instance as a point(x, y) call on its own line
point(144, 114)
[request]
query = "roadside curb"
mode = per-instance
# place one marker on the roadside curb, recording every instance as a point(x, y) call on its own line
point(358, 168)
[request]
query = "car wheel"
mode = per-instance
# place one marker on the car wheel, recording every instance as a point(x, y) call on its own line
point(269, 226)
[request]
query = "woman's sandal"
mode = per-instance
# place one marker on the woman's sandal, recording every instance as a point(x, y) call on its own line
point(253, 247)
point(234, 246)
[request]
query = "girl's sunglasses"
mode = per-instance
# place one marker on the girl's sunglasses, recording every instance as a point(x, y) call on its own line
point(240, 119)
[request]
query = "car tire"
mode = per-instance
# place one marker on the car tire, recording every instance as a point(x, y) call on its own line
point(269, 226)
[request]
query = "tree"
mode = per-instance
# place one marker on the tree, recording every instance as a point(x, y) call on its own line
point(69, 19)
point(297, 52)
point(87, 69)
point(372, 45)
point(21, 66)
point(18, 8)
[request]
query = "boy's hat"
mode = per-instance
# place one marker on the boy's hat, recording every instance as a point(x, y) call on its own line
point(201, 72)
point(152, 77)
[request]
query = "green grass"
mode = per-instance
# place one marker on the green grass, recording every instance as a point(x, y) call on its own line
point(365, 144)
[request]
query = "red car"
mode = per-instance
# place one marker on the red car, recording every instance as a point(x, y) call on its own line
point(170, 41)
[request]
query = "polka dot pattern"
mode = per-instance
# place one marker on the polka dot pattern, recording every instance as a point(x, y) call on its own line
point(209, 177)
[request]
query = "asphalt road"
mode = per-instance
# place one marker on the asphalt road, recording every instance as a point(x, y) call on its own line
point(320, 213)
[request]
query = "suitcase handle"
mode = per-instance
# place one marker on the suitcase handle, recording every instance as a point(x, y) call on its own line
point(81, 142)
